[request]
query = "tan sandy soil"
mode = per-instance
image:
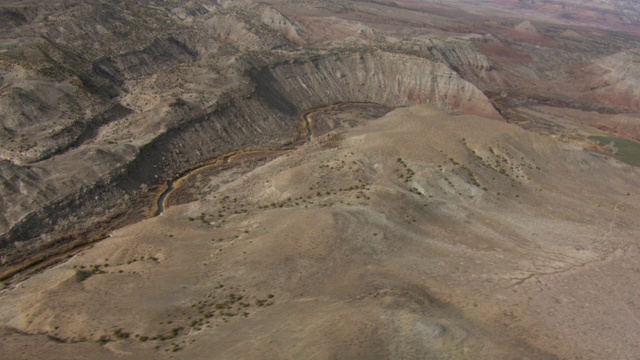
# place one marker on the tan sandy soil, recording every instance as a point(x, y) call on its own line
point(418, 235)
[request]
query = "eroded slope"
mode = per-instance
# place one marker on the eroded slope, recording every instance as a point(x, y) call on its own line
point(417, 235)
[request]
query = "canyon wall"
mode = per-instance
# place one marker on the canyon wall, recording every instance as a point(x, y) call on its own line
point(265, 114)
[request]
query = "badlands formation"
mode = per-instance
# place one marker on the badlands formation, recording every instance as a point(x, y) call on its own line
point(319, 179)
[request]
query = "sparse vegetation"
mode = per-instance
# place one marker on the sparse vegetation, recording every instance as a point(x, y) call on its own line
point(120, 334)
point(208, 79)
point(82, 275)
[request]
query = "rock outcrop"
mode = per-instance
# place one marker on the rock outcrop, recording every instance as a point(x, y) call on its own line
point(276, 20)
point(614, 80)
point(526, 27)
point(159, 55)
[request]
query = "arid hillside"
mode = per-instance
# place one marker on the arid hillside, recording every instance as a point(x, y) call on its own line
point(319, 179)
point(419, 234)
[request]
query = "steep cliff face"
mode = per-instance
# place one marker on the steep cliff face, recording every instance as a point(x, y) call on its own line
point(268, 114)
point(390, 79)
point(460, 53)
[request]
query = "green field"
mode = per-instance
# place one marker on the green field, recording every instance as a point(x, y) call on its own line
point(628, 151)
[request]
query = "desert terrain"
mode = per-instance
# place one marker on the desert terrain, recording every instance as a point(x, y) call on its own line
point(319, 179)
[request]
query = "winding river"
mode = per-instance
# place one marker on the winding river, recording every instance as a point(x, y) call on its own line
point(173, 184)
point(307, 122)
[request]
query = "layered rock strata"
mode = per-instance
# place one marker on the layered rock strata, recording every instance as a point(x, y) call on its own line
point(50, 202)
